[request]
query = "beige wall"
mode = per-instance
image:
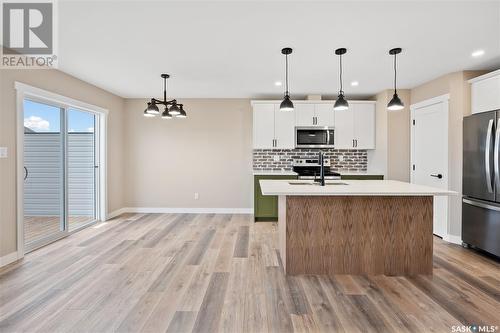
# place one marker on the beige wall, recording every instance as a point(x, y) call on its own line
point(456, 85)
point(210, 153)
point(63, 84)
point(377, 158)
point(398, 139)
point(392, 155)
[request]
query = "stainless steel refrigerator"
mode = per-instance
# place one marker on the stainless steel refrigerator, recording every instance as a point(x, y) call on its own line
point(481, 181)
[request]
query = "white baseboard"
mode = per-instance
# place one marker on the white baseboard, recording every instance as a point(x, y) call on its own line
point(175, 210)
point(8, 259)
point(116, 213)
point(453, 239)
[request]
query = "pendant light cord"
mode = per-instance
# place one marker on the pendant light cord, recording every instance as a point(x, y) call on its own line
point(286, 74)
point(164, 89)
point(341, 87)
point(394, 73)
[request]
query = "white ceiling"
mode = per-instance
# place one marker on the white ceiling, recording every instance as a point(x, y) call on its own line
point(232, 49)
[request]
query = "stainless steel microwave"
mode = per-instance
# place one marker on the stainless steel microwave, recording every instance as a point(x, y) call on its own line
point(314, 137)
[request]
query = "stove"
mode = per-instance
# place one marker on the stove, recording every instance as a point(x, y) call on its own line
point(310, 169)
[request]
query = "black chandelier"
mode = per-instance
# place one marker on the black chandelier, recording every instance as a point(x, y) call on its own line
point(172, 109)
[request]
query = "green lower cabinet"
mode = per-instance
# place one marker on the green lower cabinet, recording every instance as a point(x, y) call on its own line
point(266, 207)
point(362, 177)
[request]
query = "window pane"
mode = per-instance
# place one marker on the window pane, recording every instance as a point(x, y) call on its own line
point(81, 171)
point(43, 167)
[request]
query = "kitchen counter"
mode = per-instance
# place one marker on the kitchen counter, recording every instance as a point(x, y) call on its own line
point(274, 173)
point(350, 188)
point(365, 227)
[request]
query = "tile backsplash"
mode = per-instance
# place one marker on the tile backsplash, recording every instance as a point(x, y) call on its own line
point(340, 159)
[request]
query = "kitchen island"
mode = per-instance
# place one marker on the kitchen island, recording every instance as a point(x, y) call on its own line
point(364, 227)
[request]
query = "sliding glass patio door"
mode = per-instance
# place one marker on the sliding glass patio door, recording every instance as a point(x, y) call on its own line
point(44, 218)
point(81, 168)
point(60, 171)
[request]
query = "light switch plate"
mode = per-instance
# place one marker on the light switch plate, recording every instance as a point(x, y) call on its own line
point(276, 158)
point(3, 152)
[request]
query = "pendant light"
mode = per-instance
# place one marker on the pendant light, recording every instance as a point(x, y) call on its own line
point(175, 109)
point(166, 114)
point(341, 103)
point(146, 113)
point(152, 109)
point(286, 104)
point(395, 104)
point(182, 113)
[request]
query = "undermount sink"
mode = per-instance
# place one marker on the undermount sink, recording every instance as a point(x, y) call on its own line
point(317, 184)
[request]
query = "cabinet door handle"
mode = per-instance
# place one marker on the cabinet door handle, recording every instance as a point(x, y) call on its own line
point(356, 143)
point(275, 142)
point(353, 143)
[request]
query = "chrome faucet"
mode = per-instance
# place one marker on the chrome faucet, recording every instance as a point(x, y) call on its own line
point(321, 179)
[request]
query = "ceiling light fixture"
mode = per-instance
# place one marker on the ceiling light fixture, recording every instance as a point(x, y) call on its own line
point(286, 104)
point(354, 83)
point(341, 103)
point(395, 104)
point(278, 83)
point(147, 113)
point(174, 110)
point(477, 53)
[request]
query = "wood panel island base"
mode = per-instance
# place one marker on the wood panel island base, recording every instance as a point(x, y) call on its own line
point(374, 227)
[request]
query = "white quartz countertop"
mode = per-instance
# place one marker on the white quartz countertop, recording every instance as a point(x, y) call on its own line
point(274, 173)
point(293, 173)
point(349, 187)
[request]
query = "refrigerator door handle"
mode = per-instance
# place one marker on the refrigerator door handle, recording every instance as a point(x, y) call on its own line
point(481, 205)
point(487, 156)
point(496, 152)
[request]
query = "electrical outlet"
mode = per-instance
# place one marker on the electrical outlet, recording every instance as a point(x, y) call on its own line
point(341, 158)
point(196, 196)
point(3, 152)
point(276, 158)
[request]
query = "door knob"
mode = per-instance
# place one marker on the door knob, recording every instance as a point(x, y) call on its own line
point(438, 176)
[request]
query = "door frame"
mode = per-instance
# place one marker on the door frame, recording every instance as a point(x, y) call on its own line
point(25, 91)
point(413, 109)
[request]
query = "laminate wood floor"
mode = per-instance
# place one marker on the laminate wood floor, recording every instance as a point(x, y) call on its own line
point(37, 227)
point(222, 273)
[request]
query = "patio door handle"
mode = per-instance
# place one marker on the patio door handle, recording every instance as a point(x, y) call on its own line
point(26, 173)
point(439, 176)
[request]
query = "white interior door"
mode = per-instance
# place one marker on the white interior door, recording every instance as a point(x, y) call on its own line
point(430, 155)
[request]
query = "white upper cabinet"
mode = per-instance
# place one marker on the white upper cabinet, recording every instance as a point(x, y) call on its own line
point(304, 114)
point(263, 126)
point(485, 92)
point(324, 115)
point(314, 115)
point(355, 127)
point(272, 128)
point(364, 125)
point(344, 128)
point(275, 129)
point(284, 128)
